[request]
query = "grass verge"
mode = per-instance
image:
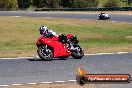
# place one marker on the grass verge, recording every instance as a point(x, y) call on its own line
point(18, 35)
point(121, 3)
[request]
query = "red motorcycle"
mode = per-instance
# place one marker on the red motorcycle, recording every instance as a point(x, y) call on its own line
point(62, 46)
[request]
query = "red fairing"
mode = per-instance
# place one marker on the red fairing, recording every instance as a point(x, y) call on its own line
point(39, 41)
point(60, 50)
point(69, 35)
point(55, 38)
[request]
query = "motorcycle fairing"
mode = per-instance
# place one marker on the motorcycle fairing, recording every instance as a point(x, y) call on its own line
point(59, 48)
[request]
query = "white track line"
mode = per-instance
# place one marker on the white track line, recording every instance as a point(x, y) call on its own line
point(16, 84)
point(4, 85)
point(84, 54)
point(121, 52)
point(104, 53)
point(46, 82)
point(99, 54)
point(108, 53)
point(71, 80)
point(32, 83)
point(18, 58)
point(59, 81)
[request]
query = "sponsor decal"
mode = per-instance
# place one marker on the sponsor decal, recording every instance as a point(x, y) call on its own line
point(83, 77)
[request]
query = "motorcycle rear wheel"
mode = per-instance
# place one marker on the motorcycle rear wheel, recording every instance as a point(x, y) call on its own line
point(45, 53)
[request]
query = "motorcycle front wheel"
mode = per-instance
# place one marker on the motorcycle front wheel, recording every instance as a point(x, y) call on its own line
point(45, 53)
point(77, 53)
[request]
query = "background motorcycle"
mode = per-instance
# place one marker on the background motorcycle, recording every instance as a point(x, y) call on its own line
point(63, 48)
point(103, 17)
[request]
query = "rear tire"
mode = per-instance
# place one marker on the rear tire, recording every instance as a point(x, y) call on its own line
point(45, 53)
point(77, 54)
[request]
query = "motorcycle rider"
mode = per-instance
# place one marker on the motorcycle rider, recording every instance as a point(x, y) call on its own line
point(104, 14)
point(45, 32)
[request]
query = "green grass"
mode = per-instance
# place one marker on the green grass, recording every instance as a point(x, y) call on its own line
point(102, 2)
point(18, 35)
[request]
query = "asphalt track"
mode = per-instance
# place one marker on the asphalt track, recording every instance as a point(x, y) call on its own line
point(114, 17)
point(34, 70)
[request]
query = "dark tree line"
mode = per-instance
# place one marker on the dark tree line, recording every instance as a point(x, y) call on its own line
point(129, 2)
point(18, 4)
point(13, 4)
point(48, 3)
point(65, 3)
point(79, 3)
